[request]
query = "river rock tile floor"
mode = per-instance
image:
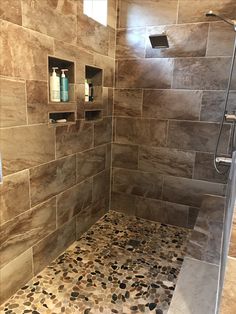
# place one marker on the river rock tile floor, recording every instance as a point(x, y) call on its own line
point(123, 265)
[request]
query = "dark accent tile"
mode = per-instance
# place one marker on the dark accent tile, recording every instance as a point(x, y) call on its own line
point(142, 73)
point(125, 156)
point(202, 73)
point(166, 161)
point(197, 136)
point(189, 40)
point(137, 183)
point(74, 138)
point(19, 234)
point(139, 131)
point(53, 245)
point(204, 169)
point(168, 104)
point(189, 192)
point(128, 102)
point(14, 193)
point(103, 131)
point(134, 13)
point(52, 178)
point(90, 162)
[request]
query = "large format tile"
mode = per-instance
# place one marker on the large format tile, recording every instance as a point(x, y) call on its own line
point(101, 186)
point(74, 138)
point(58, 176)
point(130, 43)
point(103, 131)
point(139, 13)
point(45, 251)
point(172, 104)
point(19, 234)
point(166, 161)
point(13, 103)
point(125, 156)
point(108, 66)
point(128, 102)
point(191, 11)
point(188, 40)
point(202, 73)
point(14, 193)
point(72, 201)
point(123, 203)
point(47, 17)
point(139, 131)
point(197, 136)
point(144, 73)
point(137, 183)
point(10, 10)
point(90, 162)
point(221, 39)
point(15, 274)
point(189, 192)
point(196, 288)
point(26, 58)
point(26, 146)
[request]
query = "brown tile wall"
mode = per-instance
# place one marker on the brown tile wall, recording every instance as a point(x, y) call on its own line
point(167, 107)
point(56, 180)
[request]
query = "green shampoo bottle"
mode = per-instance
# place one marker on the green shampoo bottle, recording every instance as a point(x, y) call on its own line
point(64, 86)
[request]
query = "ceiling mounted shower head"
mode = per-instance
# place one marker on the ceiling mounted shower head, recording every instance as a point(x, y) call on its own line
point(159, 41)
point(227, 20)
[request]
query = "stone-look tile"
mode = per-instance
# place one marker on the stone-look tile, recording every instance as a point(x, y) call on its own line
point(90, 162)
point(112, 43)
point(13, 103)
point(197, 136)
point(15, 274)
point(26, 58)
point(19, 234)
point(134, 13)
point(72, 201)
point(192, 217)
point(213, 103)
point(10, 10)
point(128, 102)
point(26, 146)
point(108, 66)
point(137, 183)
point(108, 156)
point(47, 17)
point(58, 176)
point(112, 13)
point(228, 302)
point(189, 297)
point(164, 212)
point(103, 131)
point(45, 251)
point(166, 161)
point(204, 169)
point(139, 131)
point(202, 73)
point(220, 40)
point(125, 156)
point(91, 35)
point(14, 193)
point(123, 203)
point(168, 104)
point(89, 216)
point(188, 40)
point(144, 73)
point(191, 11)
point(189, 192)
point(130, 43)
point(74, 138)
point(101, 186)
point(37, 101)
point(212, 208)
point(232, 244)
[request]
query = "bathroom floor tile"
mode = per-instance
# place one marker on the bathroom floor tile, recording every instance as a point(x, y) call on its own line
point(123, 265)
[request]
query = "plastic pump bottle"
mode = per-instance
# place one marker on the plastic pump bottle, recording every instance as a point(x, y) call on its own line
point(64, 86)
point(86, 85)
point(54, 86)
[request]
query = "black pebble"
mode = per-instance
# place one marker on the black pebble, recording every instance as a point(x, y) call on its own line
point(159, 311)
point(114, 297)
point(122, 285)
point(152, 306)
point(74, 294)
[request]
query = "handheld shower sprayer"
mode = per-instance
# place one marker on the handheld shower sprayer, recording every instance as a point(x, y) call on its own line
point(227, 20)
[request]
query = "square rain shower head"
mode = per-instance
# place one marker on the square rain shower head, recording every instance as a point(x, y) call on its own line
point(159, 41)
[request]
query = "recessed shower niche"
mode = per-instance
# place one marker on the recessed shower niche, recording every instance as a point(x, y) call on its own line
point(94, 78)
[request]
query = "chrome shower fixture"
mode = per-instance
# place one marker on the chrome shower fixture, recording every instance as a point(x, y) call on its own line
point(159, 41)
point(227, 20)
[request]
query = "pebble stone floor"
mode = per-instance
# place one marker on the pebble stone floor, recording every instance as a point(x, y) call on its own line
point(123, 265)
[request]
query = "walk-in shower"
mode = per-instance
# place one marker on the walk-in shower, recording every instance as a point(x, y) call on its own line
point(229, 117)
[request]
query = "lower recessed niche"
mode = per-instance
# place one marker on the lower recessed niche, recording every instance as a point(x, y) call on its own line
point(59, 118)
point(93, 115)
